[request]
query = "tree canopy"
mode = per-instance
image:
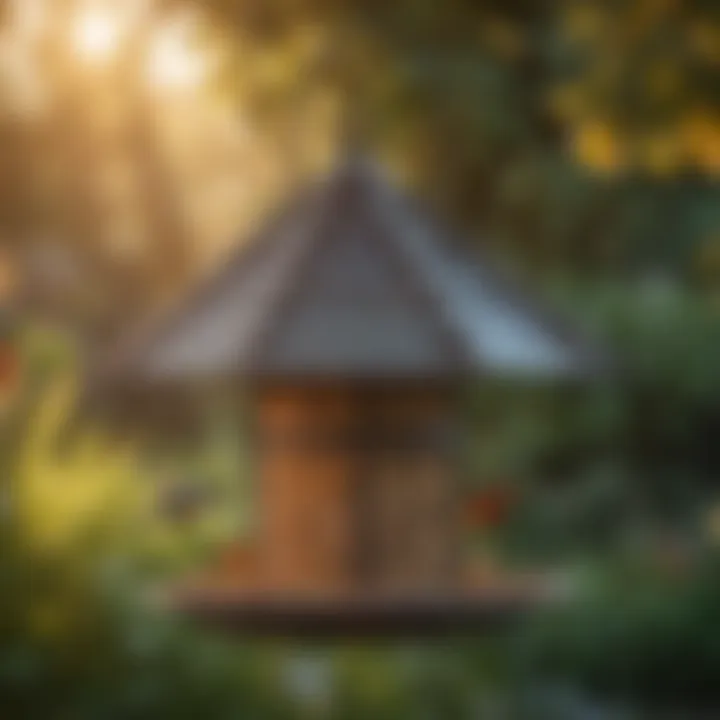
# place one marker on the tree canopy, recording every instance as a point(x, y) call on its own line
point(576, 137)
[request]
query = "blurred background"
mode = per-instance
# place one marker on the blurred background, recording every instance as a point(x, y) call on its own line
point(577, 142)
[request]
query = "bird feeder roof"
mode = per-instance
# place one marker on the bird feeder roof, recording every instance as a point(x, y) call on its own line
point(351, 281)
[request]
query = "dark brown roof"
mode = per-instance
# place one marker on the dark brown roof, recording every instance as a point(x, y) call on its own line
point(350, 282)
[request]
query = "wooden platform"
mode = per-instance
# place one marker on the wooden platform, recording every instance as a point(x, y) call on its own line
point(358, 616)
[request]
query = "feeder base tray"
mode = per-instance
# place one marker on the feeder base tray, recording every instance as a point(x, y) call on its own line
point(358, 616)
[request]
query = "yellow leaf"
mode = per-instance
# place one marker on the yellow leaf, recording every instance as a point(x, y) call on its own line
point(701, 137)
point(596, 146)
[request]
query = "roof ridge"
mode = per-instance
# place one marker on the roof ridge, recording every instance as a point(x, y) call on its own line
point(358, 175)
point(316, 236)
point(446, 323)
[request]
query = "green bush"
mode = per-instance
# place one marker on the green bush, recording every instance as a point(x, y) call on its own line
point(644, 638)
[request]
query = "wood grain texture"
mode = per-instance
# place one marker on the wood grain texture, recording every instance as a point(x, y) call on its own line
point(346, 501)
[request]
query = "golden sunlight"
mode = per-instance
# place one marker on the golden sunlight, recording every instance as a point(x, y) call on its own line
point(97, 34)
point(174, 62)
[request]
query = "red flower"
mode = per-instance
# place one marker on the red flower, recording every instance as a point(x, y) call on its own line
point(9, 366)
point(491, 507)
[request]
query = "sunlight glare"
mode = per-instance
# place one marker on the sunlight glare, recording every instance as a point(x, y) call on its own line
point(174, 63)
point(97, 35)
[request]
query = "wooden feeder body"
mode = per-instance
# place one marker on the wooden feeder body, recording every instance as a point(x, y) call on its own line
point(357, 487)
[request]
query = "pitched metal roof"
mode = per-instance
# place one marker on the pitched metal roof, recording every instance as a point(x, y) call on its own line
point(349, 281)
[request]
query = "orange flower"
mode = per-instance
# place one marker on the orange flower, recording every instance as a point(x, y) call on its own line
point(491, 507)
point(9, 367)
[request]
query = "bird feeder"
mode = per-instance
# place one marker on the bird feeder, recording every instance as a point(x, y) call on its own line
point(352, 327)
